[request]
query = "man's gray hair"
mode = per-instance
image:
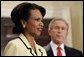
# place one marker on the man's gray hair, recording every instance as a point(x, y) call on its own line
point(57, 19)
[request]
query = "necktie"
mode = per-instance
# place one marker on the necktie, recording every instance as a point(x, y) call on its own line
point(59, 51)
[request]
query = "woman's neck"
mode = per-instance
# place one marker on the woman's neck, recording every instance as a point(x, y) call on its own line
point(30, 39)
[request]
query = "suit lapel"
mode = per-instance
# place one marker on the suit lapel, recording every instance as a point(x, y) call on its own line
point(67, 51)
point(49, 50)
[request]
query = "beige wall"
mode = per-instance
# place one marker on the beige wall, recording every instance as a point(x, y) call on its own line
point(76, 10)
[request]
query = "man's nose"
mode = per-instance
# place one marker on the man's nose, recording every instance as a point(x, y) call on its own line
point(59, 31)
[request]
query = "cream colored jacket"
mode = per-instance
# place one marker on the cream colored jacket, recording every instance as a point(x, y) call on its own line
point(21, 47)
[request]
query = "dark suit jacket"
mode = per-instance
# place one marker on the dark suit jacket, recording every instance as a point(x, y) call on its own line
point(69, 51)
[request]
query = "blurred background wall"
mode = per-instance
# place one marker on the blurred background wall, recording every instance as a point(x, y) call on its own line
point(76, 16)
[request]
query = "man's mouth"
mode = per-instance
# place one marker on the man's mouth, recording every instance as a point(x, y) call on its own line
point(58, 35)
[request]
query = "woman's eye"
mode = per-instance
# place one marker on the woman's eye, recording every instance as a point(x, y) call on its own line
point(37, 19)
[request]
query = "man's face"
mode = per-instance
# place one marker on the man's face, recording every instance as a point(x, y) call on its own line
point(58, 31)
point(34, 25)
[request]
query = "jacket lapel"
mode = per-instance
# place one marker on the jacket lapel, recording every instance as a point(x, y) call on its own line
point(26, 43)
point(49, 50)
point(67, 51)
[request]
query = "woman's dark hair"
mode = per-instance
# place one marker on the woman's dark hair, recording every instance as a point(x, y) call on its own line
point(22, 12)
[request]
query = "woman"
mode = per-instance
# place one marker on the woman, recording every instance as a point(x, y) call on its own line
point(27, 18)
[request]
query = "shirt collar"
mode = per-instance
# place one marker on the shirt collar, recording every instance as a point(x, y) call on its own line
point(54, 46)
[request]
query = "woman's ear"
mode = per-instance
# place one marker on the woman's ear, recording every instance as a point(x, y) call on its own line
point(23, 22)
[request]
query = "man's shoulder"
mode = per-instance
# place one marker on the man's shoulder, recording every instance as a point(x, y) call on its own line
point(73, 50)
point(47, 47)
point(70, 48)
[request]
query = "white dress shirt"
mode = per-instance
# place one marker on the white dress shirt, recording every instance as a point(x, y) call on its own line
point(54, 48)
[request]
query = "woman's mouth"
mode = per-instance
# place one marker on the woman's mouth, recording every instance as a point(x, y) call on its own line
point(40, 29)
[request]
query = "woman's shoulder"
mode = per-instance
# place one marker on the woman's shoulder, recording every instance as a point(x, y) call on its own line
point(14, 42)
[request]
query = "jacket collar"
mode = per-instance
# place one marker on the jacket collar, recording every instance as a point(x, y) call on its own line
point(28, 46)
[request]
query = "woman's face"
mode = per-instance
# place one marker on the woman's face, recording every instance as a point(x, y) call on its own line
point(34, 24)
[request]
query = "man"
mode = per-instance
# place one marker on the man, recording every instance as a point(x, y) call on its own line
point(58, 30)
point(27, 18)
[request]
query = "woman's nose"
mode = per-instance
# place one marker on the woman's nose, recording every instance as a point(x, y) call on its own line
point(42, 24)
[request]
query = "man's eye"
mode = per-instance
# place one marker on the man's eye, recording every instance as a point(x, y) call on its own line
point(63, 28)
point(56, 27)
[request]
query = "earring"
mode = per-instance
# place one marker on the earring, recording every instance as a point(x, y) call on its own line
point(23, 26)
